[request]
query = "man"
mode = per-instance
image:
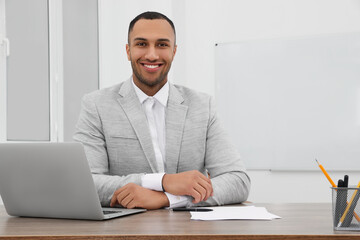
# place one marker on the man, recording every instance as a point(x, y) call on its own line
point(152, 144)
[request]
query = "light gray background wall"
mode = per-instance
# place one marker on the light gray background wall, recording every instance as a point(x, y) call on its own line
point(28, 105)
point(81, 71)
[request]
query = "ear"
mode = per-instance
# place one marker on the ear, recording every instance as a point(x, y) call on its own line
point(174, 51)
point(128, 51)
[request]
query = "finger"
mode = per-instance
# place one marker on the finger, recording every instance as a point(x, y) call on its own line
point(208, 189)
point(201, 190)
point(116, 193)
point(212, 189)
point(203, 177)
point(126, 200)
point(113, 200)
point(121, 196)
point(196, 195)
point(131, 204)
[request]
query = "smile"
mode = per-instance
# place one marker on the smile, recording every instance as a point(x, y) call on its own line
point(151, 67)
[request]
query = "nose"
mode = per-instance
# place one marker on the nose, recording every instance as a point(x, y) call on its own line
point(151, 54)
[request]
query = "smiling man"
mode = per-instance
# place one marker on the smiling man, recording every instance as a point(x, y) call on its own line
point(151, 144)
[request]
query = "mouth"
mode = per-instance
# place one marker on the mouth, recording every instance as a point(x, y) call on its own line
point(151, 67)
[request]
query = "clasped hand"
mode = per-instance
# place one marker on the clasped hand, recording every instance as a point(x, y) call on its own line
point(190, 183)
point(134, 196)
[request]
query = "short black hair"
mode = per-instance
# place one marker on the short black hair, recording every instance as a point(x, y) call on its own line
point(150, 16)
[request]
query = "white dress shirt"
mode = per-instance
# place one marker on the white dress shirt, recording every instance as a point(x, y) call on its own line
point(154, 108)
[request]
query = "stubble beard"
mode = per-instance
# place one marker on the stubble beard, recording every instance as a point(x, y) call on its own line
point(143, 80)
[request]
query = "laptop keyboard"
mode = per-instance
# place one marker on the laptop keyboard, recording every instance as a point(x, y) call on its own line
point(111, 212)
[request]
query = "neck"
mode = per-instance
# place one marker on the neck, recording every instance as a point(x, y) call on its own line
point(149, 90)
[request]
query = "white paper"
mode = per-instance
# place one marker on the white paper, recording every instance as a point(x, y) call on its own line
point(232, 213)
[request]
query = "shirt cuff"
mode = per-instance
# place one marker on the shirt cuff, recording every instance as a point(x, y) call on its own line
point(152, 181)
point(177, 201)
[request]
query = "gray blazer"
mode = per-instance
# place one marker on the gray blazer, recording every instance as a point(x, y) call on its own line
point(113, 129)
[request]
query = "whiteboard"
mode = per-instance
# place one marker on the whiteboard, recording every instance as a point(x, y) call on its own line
point(285, 102)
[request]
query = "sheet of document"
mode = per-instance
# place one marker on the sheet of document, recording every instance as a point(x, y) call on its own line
point(232, 213)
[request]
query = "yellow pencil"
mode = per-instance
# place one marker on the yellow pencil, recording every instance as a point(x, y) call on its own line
point(326, 174)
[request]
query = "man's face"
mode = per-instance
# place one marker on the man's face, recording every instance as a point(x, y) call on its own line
point(151, 50)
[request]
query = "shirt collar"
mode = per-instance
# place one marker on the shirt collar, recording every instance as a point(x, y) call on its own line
point(161, 96)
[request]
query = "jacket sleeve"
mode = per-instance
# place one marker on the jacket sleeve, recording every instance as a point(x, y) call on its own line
point(90, 133)
point(231, 184)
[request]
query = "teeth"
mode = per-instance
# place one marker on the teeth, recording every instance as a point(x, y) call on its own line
point(151, 66)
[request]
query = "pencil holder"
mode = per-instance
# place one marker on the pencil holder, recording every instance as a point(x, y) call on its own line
point(345, 208)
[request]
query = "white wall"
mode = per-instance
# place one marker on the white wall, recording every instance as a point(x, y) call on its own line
point(202, 23)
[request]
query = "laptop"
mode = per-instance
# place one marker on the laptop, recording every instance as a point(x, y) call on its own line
point(51, 180)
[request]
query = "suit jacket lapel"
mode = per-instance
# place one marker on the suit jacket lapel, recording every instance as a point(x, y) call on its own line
point(175, 122)
point(133, 109)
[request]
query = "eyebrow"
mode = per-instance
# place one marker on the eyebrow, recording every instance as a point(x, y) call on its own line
point(163, 40)
point(158, 40)
point(140, 39)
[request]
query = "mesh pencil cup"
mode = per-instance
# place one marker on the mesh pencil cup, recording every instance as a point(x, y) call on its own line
point(345, 208)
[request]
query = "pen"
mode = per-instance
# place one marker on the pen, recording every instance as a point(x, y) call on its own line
point(192, 209)
point(346, 181)
point(340, 204)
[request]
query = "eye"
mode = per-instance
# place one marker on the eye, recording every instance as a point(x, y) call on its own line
point(141, 44)
point(163, 45)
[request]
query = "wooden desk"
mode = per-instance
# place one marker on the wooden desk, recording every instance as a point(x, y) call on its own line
point(299, 221)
